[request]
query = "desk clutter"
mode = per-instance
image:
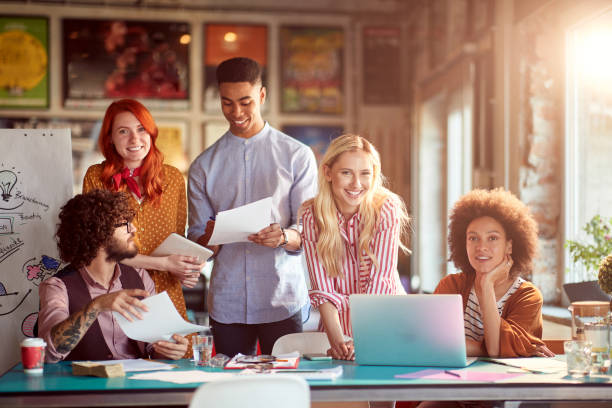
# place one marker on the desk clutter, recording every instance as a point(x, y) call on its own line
point(116, 368)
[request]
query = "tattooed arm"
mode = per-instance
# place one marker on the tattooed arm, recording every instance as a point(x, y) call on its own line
point(55, 321)
point(67, 334)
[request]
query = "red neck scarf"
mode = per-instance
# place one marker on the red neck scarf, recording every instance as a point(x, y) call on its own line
point(129, 180)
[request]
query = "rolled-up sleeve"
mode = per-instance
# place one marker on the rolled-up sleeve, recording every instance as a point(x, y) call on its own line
point(520, 331)
point(53, 310)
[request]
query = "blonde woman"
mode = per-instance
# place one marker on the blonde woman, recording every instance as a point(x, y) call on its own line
point(351, 234)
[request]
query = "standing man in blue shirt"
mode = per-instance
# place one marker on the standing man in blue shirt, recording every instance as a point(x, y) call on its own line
point(257, 288)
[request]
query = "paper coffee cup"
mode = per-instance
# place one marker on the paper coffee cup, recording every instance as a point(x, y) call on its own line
point(33, 355)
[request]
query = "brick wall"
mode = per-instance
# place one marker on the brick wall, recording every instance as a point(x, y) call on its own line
point(539, 45)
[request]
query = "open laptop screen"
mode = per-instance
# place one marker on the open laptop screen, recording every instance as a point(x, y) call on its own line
point(408, 330)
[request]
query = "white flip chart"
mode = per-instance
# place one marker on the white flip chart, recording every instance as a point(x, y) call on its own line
point(35, 181)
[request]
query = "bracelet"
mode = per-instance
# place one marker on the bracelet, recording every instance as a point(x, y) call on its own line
point(285, 239)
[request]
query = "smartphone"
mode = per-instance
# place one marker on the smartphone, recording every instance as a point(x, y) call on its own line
point(317, 356)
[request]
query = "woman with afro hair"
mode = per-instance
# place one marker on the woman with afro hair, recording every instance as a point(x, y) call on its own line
point(493, 240)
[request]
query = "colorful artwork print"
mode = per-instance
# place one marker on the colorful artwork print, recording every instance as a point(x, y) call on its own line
point(224, 41)
point(311, 69)
point(24, 66)
point(317, 137)
point(112, 59)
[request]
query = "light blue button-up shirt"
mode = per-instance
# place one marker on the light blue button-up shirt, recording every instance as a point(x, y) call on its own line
point(252, 283)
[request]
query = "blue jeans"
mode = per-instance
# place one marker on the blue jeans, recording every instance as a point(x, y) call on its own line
point(231, 339)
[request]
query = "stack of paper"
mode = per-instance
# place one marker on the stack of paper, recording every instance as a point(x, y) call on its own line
point(240, 361)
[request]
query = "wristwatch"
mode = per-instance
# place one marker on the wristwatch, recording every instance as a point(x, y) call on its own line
point(285, 239)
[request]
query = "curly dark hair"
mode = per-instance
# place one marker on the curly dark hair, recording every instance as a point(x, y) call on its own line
point(87, 223)
point(510, 212)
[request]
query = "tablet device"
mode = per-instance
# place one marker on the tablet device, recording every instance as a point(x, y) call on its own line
point(175, 244)
point(408, 330)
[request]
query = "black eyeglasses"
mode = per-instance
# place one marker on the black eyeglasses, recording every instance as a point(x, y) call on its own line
point(127, 226)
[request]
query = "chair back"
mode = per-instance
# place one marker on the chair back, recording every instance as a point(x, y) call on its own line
point(306, 342)
point(253, 391)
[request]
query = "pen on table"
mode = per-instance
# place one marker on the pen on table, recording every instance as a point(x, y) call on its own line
point(514, 367)
point(452, 373)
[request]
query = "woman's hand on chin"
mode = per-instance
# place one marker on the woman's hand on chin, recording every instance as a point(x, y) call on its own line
point(498, 274)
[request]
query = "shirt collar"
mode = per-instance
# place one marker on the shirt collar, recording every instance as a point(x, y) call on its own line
point(257, 136)
point(91, 281)
point(341, 220)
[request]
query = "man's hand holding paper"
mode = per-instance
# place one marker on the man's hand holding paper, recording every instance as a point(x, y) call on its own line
point(271, 236)
point(160, 322)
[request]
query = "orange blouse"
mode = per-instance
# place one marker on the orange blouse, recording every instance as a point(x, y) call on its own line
point(154, 224)
point(521, 319)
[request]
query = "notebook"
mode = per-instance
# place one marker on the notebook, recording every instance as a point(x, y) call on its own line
point(408, 330)
point(175, 244)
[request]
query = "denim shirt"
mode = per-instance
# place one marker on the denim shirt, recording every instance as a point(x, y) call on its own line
point(252, 283)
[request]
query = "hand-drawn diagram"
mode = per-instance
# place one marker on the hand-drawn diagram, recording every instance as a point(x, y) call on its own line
point(38, 271)
point(27, 325)
point(8, 180)
point(10, 301)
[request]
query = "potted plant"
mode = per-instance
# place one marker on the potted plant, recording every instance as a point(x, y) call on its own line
point(590, 254)
point(604, 276)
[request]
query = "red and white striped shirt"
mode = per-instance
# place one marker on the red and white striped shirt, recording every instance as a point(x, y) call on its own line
point(368, 278)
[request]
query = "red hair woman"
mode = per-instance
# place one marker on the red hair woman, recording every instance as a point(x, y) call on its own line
point(157, 194)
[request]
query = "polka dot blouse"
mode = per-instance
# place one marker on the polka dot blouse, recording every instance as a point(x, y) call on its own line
point(154, 224)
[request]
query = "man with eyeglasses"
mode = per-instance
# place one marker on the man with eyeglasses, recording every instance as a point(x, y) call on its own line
point(95, 234)
point(257, 288)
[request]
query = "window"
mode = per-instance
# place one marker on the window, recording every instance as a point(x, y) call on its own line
point(588, 144)
point(444, 175)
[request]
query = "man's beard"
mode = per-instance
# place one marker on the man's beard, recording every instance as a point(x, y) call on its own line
point(117, 251)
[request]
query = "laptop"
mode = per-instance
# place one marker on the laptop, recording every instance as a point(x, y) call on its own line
point(581, 291)
point(408, 330)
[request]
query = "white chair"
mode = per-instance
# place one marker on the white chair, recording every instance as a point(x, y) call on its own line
point(311, 342)
point(306, 342)
point(312, 321)
point(253, 391)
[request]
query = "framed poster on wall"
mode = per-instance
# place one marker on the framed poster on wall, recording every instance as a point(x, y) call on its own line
point(172, 142)
point(24, 62)
point(212, 131)
point(224, 41)
point(317, 137)
point(311, 66)
point(106, 60)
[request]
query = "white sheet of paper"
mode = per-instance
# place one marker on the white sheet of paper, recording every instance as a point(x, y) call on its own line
point(159, 323)
point(542, 364)
point(237, 224)
point(182, 377)
point(138, 364)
